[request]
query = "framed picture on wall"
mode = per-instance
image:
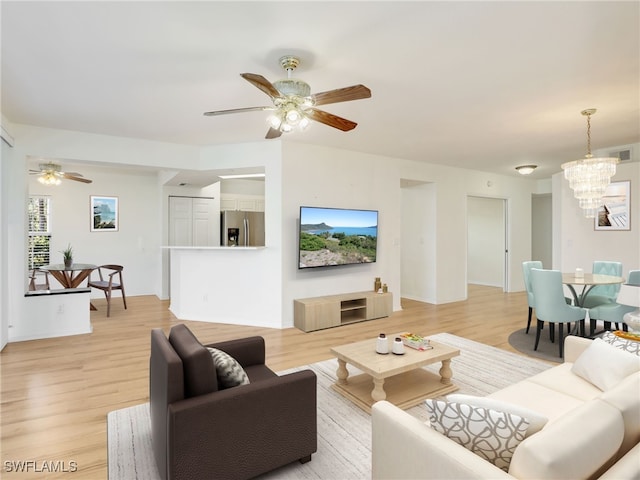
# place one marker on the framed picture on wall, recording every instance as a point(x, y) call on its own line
point(104, 214)
point(615, 213)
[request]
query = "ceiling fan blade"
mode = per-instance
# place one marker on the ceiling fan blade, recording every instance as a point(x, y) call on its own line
point(346, 94)
point(237, 110)
point(330, 119)
point(262, 83)
point(69, 176)
point(273, 133)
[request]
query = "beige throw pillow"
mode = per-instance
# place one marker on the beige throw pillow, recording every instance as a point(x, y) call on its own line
point(604, 365)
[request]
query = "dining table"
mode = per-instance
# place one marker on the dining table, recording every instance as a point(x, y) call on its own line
point(70, 276)
point(587, 281)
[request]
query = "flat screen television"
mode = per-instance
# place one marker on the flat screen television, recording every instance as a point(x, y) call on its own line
point(336, 236)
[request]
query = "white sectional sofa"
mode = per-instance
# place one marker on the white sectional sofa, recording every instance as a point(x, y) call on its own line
point(590, 433)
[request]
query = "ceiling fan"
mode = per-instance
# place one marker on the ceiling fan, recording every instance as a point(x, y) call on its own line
point(294, 105)
point(51, 174)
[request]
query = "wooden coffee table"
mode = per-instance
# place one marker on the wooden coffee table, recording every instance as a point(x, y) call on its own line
point(398, 379)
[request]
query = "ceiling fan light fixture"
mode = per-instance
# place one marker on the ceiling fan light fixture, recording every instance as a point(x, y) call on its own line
point(304, 123)
point(49, 178)
point(293, 116)
point(274, 121)
point(526, 169)
point(589, 177)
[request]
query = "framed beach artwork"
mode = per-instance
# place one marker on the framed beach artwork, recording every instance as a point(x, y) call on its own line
point(104, 214)
point(615, 213)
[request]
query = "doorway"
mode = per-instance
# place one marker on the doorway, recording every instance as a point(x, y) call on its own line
point(487, 249)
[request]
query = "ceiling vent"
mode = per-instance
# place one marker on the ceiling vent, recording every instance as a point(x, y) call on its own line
point(622, 155)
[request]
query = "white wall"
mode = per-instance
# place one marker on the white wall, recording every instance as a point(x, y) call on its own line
point(541, 229)
point(453, 187)
point(325, 177)
point(299, 174)
point(486, 241)
point(418, 242)
point(136, 244)
point(320, 176)
point(578, 244)
point(5, 293)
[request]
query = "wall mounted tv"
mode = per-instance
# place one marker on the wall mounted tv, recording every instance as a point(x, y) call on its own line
point(336, 236)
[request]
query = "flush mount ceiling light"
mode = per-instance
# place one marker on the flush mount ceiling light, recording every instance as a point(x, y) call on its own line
point(589, 177)
point(526, 169)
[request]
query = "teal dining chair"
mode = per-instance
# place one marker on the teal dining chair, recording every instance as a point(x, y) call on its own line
point(526, 275)
point(551, 306)
point(613, 312)
point(603, 294)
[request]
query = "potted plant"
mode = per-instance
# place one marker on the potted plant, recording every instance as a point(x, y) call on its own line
point(67, 254)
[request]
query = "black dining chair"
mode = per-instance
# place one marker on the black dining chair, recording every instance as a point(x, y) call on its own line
point(109, 281)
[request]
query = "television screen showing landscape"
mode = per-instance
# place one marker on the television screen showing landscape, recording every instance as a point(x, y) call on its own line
point(336, 236)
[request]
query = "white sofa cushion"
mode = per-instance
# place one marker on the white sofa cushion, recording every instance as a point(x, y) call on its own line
point(576, 446)
point(627, 467)
point(544, 400)
point(605, 365)
point(488, 433)
point(535, 419)
point(624, 397)
point(561, 379)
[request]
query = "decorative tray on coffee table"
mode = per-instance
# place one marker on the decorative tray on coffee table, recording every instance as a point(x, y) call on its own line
point(627, 335)
point(415, 341)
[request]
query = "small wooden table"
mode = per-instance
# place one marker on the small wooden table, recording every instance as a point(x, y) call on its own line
point(398, 379)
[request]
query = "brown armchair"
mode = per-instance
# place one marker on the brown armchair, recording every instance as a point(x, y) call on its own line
point(201, 431)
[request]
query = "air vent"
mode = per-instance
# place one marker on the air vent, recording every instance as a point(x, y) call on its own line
point(622, 155)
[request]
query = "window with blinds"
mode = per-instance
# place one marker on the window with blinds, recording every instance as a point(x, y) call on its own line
point(39, 231)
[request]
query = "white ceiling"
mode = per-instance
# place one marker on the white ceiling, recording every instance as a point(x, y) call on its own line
point(481, 85)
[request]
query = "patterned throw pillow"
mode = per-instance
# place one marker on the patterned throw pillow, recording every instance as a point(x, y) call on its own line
point(536, 420)
point(229, 372)
point(631, 346)
point(488, 433)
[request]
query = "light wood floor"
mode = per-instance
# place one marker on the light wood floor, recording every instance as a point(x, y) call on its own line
point(56, 393)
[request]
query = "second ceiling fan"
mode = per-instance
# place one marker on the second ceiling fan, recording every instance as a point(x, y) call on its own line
point(294, 105)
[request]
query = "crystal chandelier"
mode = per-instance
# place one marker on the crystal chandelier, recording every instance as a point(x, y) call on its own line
point(589, 177)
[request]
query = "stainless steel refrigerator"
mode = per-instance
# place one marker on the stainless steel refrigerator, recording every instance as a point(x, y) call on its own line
point(243, 229)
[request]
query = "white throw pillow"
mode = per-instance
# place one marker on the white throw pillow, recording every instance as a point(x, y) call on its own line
point(604, 365)
point(488, 433)
point(535, 419)
point(229, 372)
point(631, 346)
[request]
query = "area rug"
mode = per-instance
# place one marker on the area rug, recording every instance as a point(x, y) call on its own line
point(344, 430)
point(548, 351)
point(524, 342)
